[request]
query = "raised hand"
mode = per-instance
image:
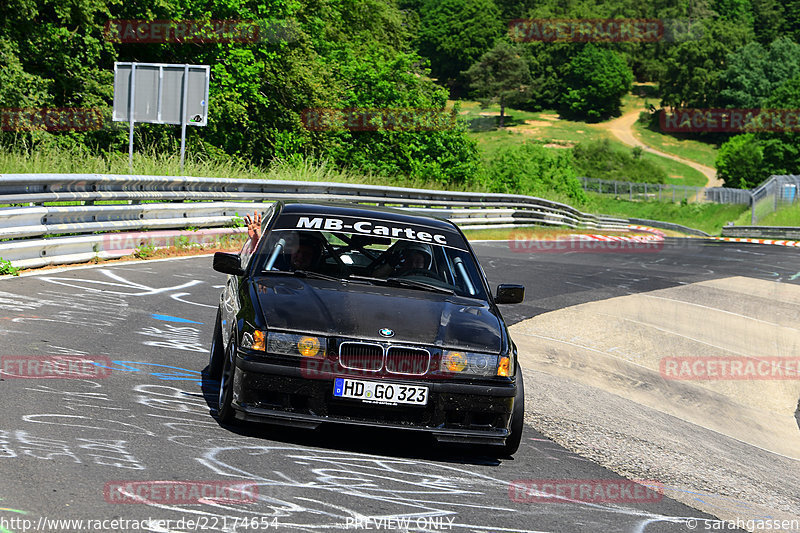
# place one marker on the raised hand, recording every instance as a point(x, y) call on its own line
point(253, 226)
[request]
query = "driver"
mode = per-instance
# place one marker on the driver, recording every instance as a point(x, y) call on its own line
point(415, 256)
point(407, 256)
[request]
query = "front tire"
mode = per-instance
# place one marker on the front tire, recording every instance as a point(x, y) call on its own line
point(517, 418)
point(225, 411)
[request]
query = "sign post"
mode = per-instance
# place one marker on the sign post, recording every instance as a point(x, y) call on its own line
point(161, 93)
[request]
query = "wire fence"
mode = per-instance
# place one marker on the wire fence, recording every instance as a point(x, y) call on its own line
point(775, 193)
point(666, 192)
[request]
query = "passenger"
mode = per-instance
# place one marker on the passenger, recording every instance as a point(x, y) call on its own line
point(253, 231)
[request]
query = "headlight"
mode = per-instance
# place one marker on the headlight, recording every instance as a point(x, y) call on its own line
point(479, 364)
point(296, 345)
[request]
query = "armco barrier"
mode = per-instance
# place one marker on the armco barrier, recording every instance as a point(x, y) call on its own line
point(34, 231)
point(762, 232)
point(668, 225)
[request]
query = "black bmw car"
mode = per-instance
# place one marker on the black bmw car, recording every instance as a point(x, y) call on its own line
point(361, 315)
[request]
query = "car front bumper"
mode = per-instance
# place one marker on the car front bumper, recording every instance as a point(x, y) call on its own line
point(455, 413)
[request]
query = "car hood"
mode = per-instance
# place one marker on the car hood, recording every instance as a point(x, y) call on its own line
point(360, 311)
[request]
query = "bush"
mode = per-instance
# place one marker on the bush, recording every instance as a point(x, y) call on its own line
point(739, 162)
point(601, 160)
point(532, 169)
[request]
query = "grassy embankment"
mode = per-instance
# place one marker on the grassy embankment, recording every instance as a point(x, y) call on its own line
point(548, 129)
point(55, 161)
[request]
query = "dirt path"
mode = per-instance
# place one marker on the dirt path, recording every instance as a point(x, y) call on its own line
point(622, 128)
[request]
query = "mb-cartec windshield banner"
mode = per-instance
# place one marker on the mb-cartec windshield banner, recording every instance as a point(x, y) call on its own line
point(371, 226)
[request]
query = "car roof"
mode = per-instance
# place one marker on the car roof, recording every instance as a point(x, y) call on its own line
point(365, 211)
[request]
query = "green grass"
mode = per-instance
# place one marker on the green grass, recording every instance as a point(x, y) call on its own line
point(706, 217)
point(546, 128)
point(680, 145)
point(60, 161)
point(678, 173)
point(786, 216)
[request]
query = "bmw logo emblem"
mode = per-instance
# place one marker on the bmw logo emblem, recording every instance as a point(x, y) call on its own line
point(386, 332)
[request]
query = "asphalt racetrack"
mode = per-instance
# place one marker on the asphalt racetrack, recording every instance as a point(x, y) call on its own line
point(67, 444)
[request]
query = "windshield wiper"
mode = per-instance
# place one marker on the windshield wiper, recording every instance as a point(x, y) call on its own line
point(306, 274)
point(403, 282)
point(356, 277)
point(414, 284)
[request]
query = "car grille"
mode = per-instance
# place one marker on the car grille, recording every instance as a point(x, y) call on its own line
point(361, 356)
point(371, 357)
point(409, 361)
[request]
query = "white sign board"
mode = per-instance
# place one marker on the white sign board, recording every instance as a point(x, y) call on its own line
point(161, 93)
point(155, 93)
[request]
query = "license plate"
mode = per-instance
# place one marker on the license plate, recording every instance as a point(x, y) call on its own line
point(382, 393)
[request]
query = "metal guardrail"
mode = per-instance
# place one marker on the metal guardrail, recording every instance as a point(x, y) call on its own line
point(34, 231)
point(668, 225)
point(762, 232)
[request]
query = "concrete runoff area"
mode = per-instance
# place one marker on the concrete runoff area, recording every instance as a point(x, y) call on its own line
point(594, 384)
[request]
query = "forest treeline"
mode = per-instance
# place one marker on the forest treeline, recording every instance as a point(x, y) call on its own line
point(408, 54)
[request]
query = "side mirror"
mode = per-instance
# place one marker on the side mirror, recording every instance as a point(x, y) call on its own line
point(508, 293)
point(228, 263)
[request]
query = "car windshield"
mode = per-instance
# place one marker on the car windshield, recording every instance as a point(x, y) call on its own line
point(358, 258)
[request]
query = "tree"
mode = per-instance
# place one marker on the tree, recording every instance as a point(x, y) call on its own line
point(739, 162)
point(782, 147)
point(595, 81)
point(693, 69)
point(746, 160)
point(767, 20)
point(755, 71)
point(455, 33)
point(500, 75)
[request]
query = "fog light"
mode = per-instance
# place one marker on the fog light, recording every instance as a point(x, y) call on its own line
point(454, 361)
